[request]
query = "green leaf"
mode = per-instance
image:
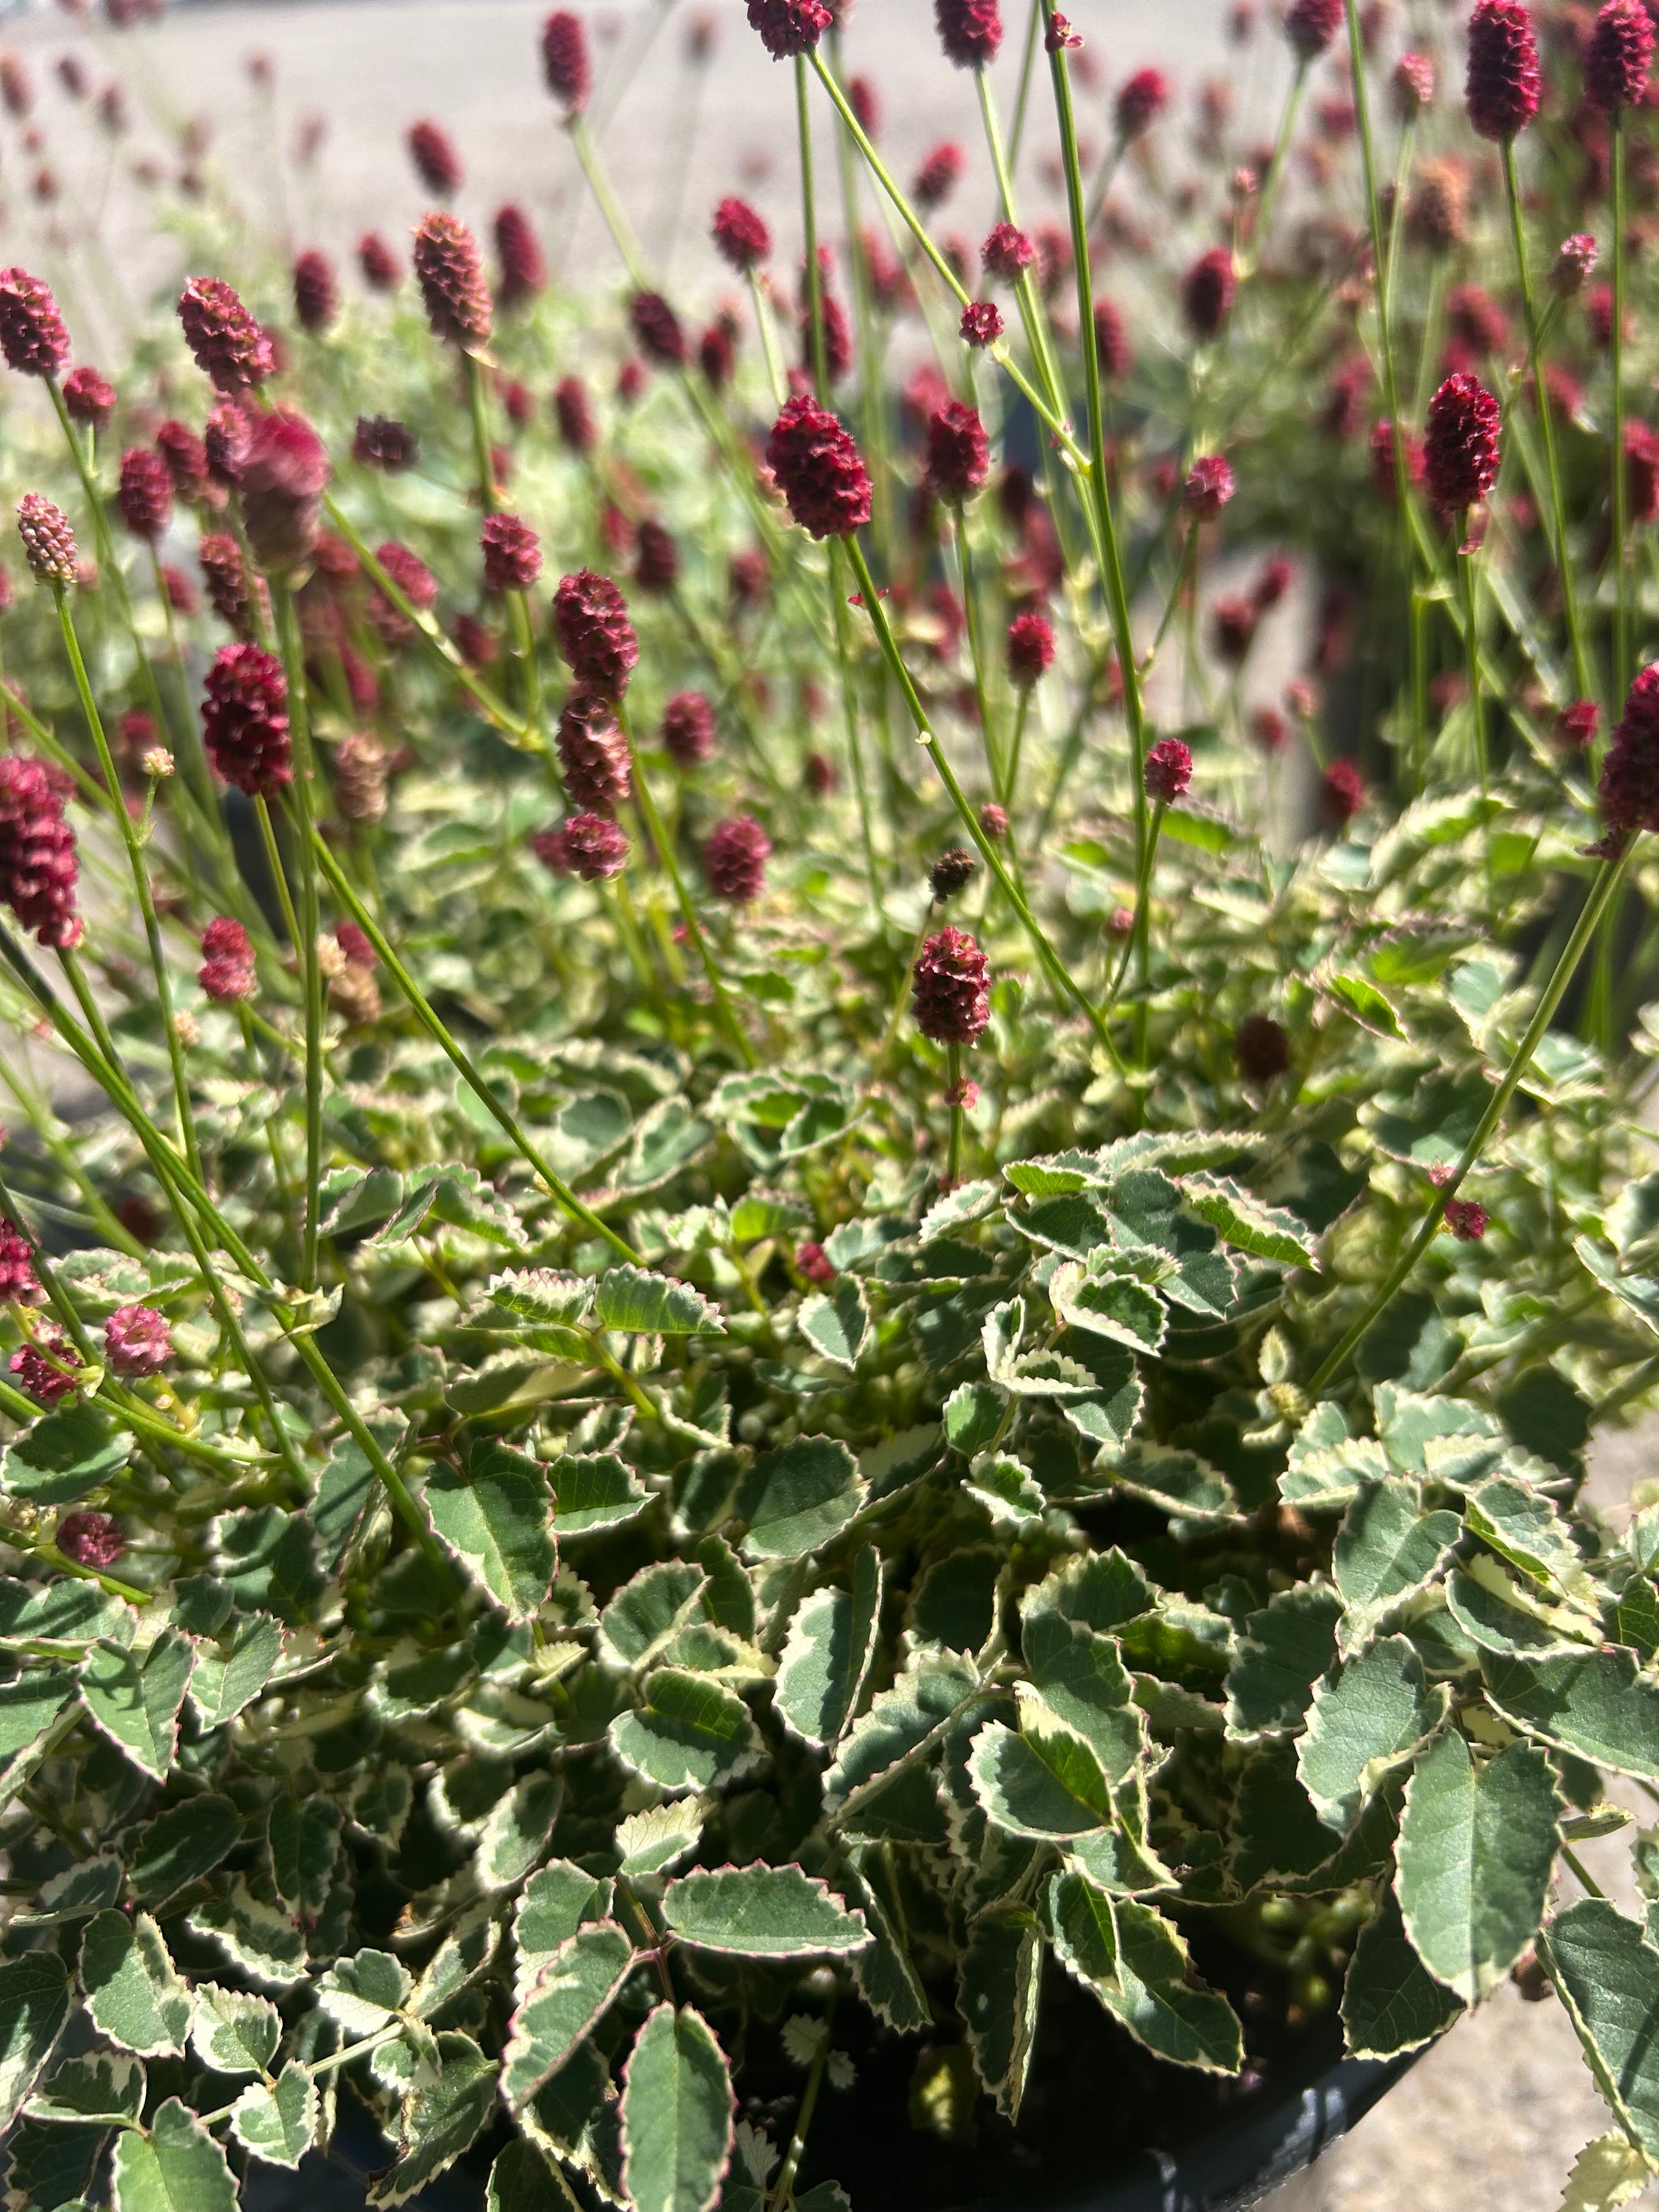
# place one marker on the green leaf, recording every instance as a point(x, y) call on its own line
point(135, 1700)
point(1110, 1302)
point(34, 2002)
point(303, 1839)
point(1177, 1482)
point(652, 1841)
point(642, 1304)
point(365, 1992)
point(181, 1845)
point(1284, 1651)
point(1102, 1589)
point(999, 1981)
point(1366, 1003)
point(973, 1415)
point(1607, 2173)
point(497, 1519)
point(648, 1610)
point(233, 2032)
point(1362, 1722)
point(761, 1912)
point(104, 2086)
point(442, 2113)
point(253, 1935)
point(886, 1974)
point(514, 1836)
point(799, 1497)
point(572, 1986)
point(64, 1456)
point(230, 1674)
point(1594, 1703)
point(133, 1993)
point(837, 1324)
point(1084, 1682)
point(278, 2125)
point(1387, 1549)
point(1524, 1528)
point(828, 1653)
point(1267, 1232)
point(1607, 1974)
point(1391, 2003)
point(686, 1732)
point(522, 2180)
point(176, 2167)
point(676, 2104)
point(1148, 1215)
point(1136, 1963)
point(1046, 1782)
point(1477, 1848)
point(594, 1492)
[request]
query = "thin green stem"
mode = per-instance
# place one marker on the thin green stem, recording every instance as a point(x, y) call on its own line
point(303, 798)
point(776, 374)
point(477, 405)
point(1274, 177)
point(1467, 557)
point(953, 1077)
point(1620, 477)
point(1027, 71)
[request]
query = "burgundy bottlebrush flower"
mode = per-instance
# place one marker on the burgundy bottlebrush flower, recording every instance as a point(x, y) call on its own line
point(1141, 99)
point(740, 235)
point(1460, 444)
point(865, 101)
point(230, 349)
point(1341, 794)
point(451, 277)
point(958, 452)
point(1414, 85)
point(717, 356)
point(1207, 292)
point(1233, 626)
point(19, 1283)
point(37, 864)
point(1208, 487)
point(16, 86)
point(1031, 648)
point(184, 456)
point(1629, 789)
point(245, 721)
point(228, 972)
point(788, 28)
point(815, 1264)
point(590, 846)
point(593, 755)
point(687, 729)
point(316, 290)
point(1111, 342)
point(1310, 25)
point(512, 554)
point(41, 1370)
point(226, 576)
point(949, 988)
point(941, 172)
point(1467, 1221)
point(1503, 87)
point(657, 563)
point(952, 872)
point(1575, 726)
point(182, 595)
point(1642, 471)
point(48, 542)
point(382, 271)
point(1575, 263)
point(837, 337)
point(227, 441)
point(1269, 731)
point(1261, 1049)
point(993, 821)
point(88, 398)
point(565, 63)
point(137, 1340)
point(596, 638)
point(282, 488)
point(970, 31)
point(981, 324)
point(91, 1539)
point(1007, 253)
point(1168, 771)
point(572, 411)
point(522, 273)
point(415, 583)
point(437, 164)
point(1277, 575)
point(1617, 56)
point(379, 442)
point(657, 330)
point(734, 860)
point(32, 333)
point(818, 470)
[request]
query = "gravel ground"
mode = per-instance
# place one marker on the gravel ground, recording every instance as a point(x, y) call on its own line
point(1495, 2115)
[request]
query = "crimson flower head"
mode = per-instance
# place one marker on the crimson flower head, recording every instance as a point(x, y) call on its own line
point(137, 1340)
point(952, 872)
point(1575, 726)
point(1031, 648)
point(379, 441)
point(382, 271)
point(657, 564)
point(1617, 55)
point(522, 271)
point(512, 554)
point(282, 488)
point(993, 821)
point(437, 164)
point(32, 333)
point(734, 860)
point(1207, 292)
point(949, 988)
point(1629, 789)
point(565, 63)
point(657, 328)
point(818, 470)
point(37, 864)
point(1111, 342)
point(970, 31)
point(1467, 1221)
point(788, 28)
point(88, 398)
point(185, 456)
point(228, 972)
point(1208, 487)
point(596, 638)
point(814, 1263)
point(573, 412)
point(19, 1283)
point(1007, 253)
point(42, 1369)
point(1642, 471)
point(1341, 794)
point(450, 273)
point(48, 541)
point(981, 324)
point(593, 756)
point(1140, 100)
point(231, 349)
point(1310, 25)
point(91, 1539)
point(225, 573)
point(958, 452)
point(740, 234)
point(1460, 444)
point(687, 729)
point(940, 173)
point(1168, 771)
point(1414, 85)
point(1575, 263)
point(1503, 87)
point(1261, 1049)
point(244, 723)
point(227, 441)
point(316, 291)
point(589, 846)
point(145, 493)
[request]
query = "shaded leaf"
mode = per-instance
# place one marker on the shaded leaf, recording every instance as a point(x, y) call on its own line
point(1391, 2003)
point(828, 1652)
point(34, 2002)
point(497, 1519)
point(135, 1700)
point(1134, 1961)
point(677, 2114)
